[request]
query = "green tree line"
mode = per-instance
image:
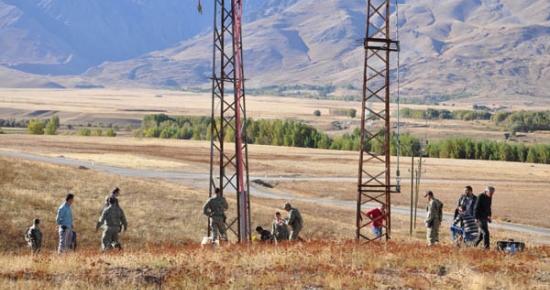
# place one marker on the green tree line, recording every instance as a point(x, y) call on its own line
point(520, 121)
point(523, 121)
point(296, 134)
point(467, 148)
point(431, 114)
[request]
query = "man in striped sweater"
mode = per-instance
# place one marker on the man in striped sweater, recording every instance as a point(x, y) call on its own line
point(469, 225)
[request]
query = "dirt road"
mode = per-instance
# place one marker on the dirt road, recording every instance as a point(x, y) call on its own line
point(201, 180)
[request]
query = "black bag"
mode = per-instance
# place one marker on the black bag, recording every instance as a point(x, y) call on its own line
point(73, 240)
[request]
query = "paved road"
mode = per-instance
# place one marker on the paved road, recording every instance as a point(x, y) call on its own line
point(201, 180)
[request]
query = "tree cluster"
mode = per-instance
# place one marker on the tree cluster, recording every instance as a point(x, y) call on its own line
point(522, 121)
point(467, 148)
point(432, 114)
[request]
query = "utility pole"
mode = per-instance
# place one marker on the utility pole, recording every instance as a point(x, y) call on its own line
point(373, 183)
point(229, 164)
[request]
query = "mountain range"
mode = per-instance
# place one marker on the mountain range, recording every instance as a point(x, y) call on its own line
point(459, 48)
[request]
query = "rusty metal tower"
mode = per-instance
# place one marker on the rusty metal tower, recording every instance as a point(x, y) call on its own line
point(228, 157)
point(373, 187)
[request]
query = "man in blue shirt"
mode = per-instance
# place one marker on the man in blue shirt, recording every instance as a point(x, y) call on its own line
point(64, 220)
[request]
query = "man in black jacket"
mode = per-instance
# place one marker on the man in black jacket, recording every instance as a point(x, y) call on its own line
point(467, 200)
point(482, 214)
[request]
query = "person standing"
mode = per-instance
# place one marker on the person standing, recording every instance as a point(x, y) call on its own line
point(377, 215)
point(33, 236)
point(64, 220)
point(112, 219)
point(295, 221)
point(434, 216)
point(482, 214)
point(279, 228)
point(468, 200)
point(215, 208)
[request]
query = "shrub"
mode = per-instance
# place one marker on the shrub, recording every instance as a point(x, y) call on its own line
point(36, 127)
point(110, 133)
point(97, 132)
point(69, 126)
point(51, 129)
point(84, 132)
point(317, 113)
point(1, 131)
point(55, 120)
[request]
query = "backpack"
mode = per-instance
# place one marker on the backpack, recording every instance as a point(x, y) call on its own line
point(73, 240)
point(440, 212)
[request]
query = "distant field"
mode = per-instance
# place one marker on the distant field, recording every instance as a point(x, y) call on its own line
point(446, 177)
point(123, 107)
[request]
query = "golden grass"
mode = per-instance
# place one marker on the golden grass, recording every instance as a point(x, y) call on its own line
point(516, 183)
point(165, 226)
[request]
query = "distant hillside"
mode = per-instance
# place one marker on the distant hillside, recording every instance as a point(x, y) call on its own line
point(457, 48)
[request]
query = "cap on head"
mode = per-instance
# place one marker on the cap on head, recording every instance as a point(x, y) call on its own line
point(429, 193)
point(287, 205)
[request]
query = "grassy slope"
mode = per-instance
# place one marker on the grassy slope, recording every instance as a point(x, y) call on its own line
point(161, 246)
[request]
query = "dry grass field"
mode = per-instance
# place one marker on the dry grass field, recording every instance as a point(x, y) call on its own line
point(122, 107)
point(161, 246)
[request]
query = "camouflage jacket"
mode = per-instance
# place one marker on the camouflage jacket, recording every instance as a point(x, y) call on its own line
point(434, 212)
point(113, 216)
point(279, 230)
point(295, 219)
point(215, 207)
point(33, 236)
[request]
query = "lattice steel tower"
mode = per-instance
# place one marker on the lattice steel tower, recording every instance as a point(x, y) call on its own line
point(228, 157)
point(374, 167)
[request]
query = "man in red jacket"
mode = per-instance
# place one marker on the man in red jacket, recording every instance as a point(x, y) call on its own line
point(377, 215)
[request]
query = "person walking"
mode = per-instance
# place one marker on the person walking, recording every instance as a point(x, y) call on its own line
point(33, 236)
point(295, 221)
point(215, 208)
point(279, 228)
point(64, 220)
point(377, 215)
point(482, 214)
point(434, 216)
point(112, 219)
point(468, 200)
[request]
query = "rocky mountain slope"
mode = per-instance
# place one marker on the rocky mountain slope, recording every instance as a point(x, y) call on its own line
point(458, 48)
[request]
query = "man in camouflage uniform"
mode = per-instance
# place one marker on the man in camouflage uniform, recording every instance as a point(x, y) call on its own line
point(111, 220)
point(434, 216)
point(215, 208)
point(33, 236)
point(279, 228)
point(294, 221)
